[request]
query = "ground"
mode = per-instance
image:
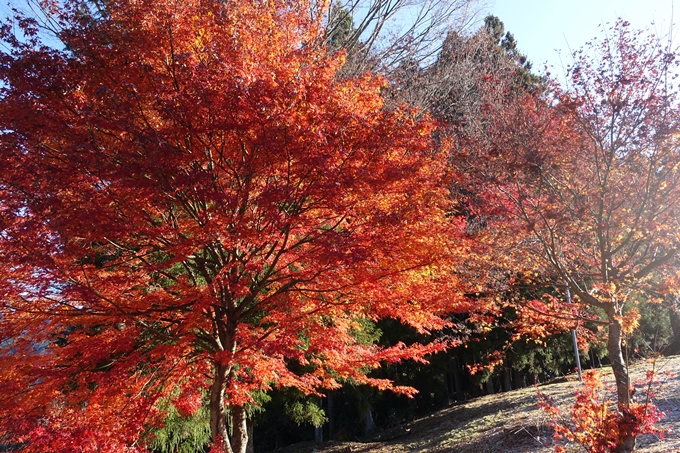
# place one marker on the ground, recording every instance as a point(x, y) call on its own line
point(512, 423)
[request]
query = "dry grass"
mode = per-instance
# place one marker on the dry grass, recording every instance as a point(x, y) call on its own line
point(512, 423)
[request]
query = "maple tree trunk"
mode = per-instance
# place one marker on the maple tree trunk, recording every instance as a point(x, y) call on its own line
point(218, 421)
point(626, 440)
point(239, 437)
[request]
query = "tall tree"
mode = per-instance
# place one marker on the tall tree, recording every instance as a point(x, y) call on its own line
point(192, 202)
point(455, 86)
point(584, 187)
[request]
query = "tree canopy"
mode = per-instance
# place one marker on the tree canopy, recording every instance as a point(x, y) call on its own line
point(580, 188)
point(193, 203)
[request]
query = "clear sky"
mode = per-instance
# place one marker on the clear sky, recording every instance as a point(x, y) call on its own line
point(541, 26)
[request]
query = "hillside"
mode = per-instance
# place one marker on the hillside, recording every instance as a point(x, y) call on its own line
point(511, 422)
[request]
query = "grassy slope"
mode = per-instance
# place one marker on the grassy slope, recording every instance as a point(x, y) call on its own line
point(511, 422)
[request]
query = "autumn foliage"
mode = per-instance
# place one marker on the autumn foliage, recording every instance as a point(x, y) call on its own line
point(191, 203)
point(595, 423)
point(195, 208)
point(579, 187)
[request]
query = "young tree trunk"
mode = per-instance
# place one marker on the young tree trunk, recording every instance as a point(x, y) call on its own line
point(369, 424)
point(218, 421)
point(592, 358)
point(489, 387)
point(614, 348)
point(507, 380)
point(331, 416)
point(674, 315)
point(239, 436)
point(457, 380)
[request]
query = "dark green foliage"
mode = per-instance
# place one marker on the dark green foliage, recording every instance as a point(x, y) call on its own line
point(506, 41)
point(654, 334)
point(340, 27)
point(288, 416)
point(305, 412)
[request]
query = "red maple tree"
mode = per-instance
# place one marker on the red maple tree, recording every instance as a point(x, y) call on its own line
point(581, 187)
point(190, 201)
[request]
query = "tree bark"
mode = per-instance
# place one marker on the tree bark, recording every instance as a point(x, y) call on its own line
point(507, 380)
point(457, 380)
point(218, 421)
point(251, 444)
point(369, 424)
point(331, 417)
point(239, 436)
point(489, 386)
point(674, 315)
point(519, 380)
point(626, 442)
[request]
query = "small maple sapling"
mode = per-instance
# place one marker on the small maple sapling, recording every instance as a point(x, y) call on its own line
point(582, 186)
point(190, 200)
point(594, 425)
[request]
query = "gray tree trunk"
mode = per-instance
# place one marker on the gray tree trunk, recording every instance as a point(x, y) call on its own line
point(489, 387)
point(239, 436)
point(369, 424)
point(674, 315)
point(615, 350)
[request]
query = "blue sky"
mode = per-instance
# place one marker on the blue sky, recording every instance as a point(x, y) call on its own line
point(541, 26)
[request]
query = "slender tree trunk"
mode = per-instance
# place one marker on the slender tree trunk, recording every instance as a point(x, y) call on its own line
point(518, 378)
point(331, 417)
point(239, 436)
point(489, 387)
point(218, 421)
point(614, 348)
point(674, 315)
point(238, 442)
point(318, 430)
point(369, 424)
point(457, 380)
point(251, 443)
point(507, 380)
point(592, 358)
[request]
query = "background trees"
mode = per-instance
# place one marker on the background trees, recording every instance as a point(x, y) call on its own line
point(379, 36)
point(193, 203)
